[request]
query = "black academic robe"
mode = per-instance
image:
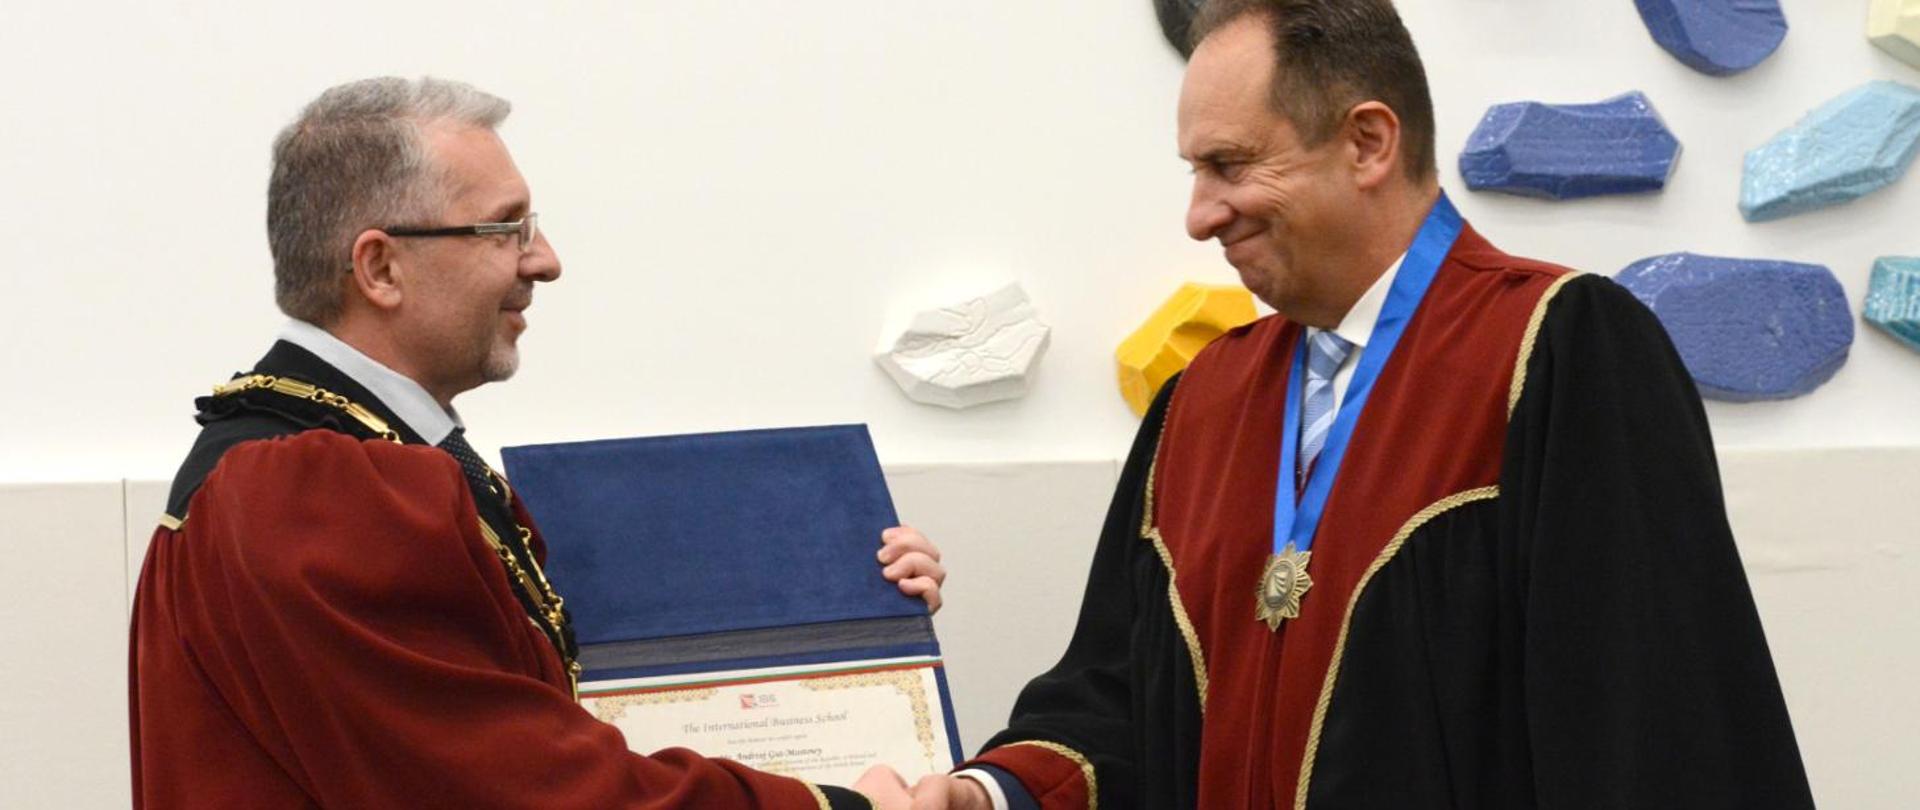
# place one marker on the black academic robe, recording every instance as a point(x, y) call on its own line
point(1526, 591)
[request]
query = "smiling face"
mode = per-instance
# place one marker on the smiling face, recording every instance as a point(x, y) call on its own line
point(462, 312)
point(1281, 210)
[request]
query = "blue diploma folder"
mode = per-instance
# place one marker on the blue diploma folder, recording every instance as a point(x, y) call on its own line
point(722, 551)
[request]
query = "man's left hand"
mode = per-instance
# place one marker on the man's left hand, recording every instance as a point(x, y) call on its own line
point(913, 563)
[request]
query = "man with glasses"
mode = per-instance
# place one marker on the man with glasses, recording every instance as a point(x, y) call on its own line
point(344, 605)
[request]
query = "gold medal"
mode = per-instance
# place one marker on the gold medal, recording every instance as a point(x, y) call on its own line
point(1282, 586)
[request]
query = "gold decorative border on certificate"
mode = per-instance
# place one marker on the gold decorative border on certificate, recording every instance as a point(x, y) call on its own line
point(1527, 339)
point(611, 708)
point(1151, 533)
point(906, 681)
point(1413, 524)
point(1086, 767)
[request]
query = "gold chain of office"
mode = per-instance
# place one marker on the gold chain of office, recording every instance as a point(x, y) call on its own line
point(303, 390)
point(536, 586)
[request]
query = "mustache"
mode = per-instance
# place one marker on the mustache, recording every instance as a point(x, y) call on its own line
point(1226, 239)
point(522, 299)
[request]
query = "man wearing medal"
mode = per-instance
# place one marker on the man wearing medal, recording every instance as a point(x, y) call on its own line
point(1445, 532)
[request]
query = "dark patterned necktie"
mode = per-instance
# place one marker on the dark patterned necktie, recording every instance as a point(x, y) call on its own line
point(477, 470)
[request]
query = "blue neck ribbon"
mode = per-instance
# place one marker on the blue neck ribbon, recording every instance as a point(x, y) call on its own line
point(1295, 522)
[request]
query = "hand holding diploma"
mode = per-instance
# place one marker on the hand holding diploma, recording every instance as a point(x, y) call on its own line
point(912, 562)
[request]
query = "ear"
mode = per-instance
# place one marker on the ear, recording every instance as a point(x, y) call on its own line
point(377, 272)
point(1373, 132)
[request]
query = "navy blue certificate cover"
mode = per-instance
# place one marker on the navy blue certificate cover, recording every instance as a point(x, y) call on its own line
point(721, 551)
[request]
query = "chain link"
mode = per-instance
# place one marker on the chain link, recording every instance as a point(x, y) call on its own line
point(537, 588)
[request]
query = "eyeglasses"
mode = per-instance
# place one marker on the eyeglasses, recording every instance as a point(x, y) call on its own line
point(526, 229)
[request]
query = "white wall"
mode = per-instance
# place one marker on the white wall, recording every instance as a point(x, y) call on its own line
point(741, 191)
point(63, 625)
point(1828, 540)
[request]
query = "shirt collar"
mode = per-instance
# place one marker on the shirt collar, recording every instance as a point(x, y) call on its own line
point(1357, 327)
point(397, 391)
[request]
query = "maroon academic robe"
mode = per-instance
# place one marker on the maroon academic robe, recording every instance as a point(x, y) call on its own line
point(328, 627)
point(1525, 591)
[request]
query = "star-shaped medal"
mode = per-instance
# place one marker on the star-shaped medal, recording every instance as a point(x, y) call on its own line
point(1282, 586)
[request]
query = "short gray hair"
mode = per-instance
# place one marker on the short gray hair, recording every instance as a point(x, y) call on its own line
point(355, 159)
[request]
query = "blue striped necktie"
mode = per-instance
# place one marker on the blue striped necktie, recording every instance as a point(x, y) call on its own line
point(1325, 352)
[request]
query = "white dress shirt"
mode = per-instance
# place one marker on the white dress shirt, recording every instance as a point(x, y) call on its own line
point(989, 784)
point(397, 391)
point(1357, 328)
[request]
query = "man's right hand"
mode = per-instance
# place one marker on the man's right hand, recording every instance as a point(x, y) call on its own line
point(943, 792)
point(884, 787)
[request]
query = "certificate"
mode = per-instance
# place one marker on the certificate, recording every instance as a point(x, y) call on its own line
point(824, 723)
point(727, 599)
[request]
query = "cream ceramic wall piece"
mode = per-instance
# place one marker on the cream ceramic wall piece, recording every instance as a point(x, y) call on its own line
point(1894, 26)
point(977, 351)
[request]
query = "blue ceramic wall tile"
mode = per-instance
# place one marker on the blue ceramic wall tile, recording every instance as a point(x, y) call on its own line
point(1566, 151)
point(1716, 37)
point(1748, 329)
point(1893, 298)
point(1849, 147)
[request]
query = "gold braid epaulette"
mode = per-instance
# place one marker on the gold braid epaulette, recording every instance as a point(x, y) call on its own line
point(308, 391)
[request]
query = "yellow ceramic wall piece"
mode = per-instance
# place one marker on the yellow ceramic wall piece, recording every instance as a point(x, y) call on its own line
point(1178, 330)
point(1894, 25)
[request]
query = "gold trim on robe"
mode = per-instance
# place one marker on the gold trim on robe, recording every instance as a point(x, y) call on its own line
point(820, 796)
point(1413, 524)
point(1151, 533)
point(1086, 768)
point(1527, 339)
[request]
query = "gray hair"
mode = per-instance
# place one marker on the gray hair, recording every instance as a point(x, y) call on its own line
point(355, 159)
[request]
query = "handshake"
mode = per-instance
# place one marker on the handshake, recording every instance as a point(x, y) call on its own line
point(888, 791)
